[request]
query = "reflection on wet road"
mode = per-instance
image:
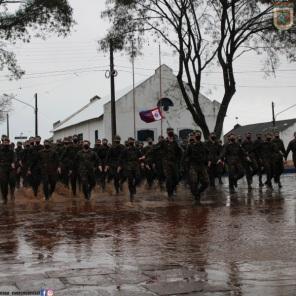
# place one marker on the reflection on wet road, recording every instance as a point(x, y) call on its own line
point(239, 245)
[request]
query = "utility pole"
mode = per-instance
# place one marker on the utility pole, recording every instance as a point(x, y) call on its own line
point(113, 105)
point(273, 116)
point(134, 94)
point(36, 115)
point(160, 90)
point(7, 125)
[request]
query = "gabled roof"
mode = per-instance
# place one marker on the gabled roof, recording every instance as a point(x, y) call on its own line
point(263, 127)
point(94, 109)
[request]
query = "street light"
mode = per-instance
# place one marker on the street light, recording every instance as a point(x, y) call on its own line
point(35, 111)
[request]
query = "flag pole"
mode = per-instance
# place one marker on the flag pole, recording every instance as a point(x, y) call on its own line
point(160, 89)
point(134, 95)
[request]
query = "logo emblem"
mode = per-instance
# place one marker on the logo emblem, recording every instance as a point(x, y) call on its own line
point(283, 16)
point(156, 114)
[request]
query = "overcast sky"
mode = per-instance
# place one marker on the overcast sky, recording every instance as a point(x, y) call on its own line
point(66, 73)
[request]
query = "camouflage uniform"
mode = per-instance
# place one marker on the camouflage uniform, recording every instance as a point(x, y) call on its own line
point(129, 158)
point(292, 147)
point(250, 162)
point(87, 162)
point(34, 167)
point(214, 151)
point(102, 152)
point(197, 157)
point(233, 155)
point(7, 173)
point(268, 151)
point(172, 154)
point(112, 161)
point(278, 164)
point(49, 161)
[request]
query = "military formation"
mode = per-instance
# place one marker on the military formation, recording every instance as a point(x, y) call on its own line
point(195, 163)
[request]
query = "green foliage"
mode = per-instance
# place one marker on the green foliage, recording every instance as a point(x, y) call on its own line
point(37, 18)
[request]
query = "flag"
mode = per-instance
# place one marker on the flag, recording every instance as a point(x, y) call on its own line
point(151, 115)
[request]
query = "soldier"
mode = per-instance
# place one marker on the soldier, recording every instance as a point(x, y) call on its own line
point(214, 151)
point(87, 163)
point(249, 162)
point(65, 161)
point(102, 153)
point(197, 157)
point(18, 168)
point(7, 170)
point(292, 147)
point(24, 163)
point(148, 163)
point(97, 146)
point(172, 155)
point(257, 150)
point(49, 162)
point(268, 151)
point(233, 155)
point(130, 158)
point(156, 159)
point(278, 160)
point(112, 161)
point(72, 152)
point(34, 169)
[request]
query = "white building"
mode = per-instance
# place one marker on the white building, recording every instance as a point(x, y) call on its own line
point(94, 120)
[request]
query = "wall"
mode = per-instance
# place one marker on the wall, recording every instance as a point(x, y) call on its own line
point(147, 95)
point(87, 128)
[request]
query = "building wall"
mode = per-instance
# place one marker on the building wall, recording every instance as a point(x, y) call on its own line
point(288, 135)
point(87, 128)
point(147, 96)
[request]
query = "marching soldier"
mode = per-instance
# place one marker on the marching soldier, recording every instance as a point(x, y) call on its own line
point(268, 151)
point(18, 168)
point(112, 162)
point(130, 158)
point(7, 170)
point(214, 151)
point(233, 155)
point(97, 146)
point(49, 162)
point(278, 161)
point(249, 162)
point(148, 163)
point(34, 169)
point(72, 153)
point(172, 155)
point(197, 157)
point(87, 163)
point(292, 147)
point(102, 153)
point(258, 156)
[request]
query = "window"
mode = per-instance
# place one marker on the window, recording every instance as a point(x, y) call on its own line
point(80, 137)
point(184, 133)
point(96, 135)
point(143, 135)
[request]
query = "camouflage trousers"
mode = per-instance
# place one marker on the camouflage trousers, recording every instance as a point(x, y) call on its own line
point(198, 179)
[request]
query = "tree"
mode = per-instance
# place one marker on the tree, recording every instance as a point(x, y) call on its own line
point(202, 33)
point(19, 19)
point(5, 104)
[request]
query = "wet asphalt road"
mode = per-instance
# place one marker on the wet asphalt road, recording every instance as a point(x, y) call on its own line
point(243, 244)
